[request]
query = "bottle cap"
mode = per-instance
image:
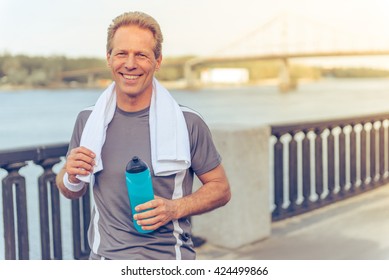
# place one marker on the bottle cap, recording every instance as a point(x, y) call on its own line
point(136, 165)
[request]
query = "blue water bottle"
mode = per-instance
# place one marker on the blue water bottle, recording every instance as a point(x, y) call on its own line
point(139, 186)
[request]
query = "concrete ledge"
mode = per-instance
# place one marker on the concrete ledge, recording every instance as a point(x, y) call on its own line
point(246, 218)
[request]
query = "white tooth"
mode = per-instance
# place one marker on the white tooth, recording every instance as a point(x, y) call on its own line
point(130, 77)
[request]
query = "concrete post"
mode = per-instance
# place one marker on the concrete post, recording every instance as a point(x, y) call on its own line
point(189, 76)
point(286, 82)
point(246, 218)
point(91, 80)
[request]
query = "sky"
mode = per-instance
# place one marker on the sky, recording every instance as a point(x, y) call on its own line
point(78, 28)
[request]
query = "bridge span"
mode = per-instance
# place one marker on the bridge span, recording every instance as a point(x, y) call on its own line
point(290, 36)
point(285, 80)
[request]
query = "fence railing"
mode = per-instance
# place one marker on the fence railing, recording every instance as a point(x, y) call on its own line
point(318, 163)
point(16, 229)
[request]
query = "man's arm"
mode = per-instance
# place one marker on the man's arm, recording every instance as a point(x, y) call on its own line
point(215, 192)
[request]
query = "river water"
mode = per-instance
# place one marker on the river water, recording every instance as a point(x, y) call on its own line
point(34, 117)
point(45, 116)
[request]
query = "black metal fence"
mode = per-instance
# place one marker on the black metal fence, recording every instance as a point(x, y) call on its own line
point(318, 163)
point(16, 240)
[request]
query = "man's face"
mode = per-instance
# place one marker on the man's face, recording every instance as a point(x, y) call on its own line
point(132, 61)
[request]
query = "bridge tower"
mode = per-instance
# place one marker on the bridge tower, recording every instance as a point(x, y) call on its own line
point(189, 75)
point(285, 80)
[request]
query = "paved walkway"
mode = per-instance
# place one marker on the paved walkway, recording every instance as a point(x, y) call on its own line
point(354, 229)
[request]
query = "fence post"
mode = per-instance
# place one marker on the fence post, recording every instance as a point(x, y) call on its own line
point(14, 179)
point(47, 185)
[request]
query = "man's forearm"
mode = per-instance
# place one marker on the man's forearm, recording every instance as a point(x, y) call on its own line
point(213, 194)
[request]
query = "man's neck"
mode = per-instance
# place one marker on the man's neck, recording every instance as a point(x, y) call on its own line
point(133, 103)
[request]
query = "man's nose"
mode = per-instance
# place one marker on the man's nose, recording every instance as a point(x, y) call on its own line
point(130, 62)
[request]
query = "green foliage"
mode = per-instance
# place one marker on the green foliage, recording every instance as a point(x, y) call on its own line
point(359, 72)
point(39, 71)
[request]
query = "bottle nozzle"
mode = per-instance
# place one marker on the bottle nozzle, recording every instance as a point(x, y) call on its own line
point(136, 165)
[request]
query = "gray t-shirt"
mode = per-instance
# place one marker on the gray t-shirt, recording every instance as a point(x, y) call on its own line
point(112, 234)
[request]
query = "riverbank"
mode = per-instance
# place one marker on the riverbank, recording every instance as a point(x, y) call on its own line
point(181, 84)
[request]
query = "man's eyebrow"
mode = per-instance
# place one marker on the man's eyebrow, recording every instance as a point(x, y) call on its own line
point(119, 50)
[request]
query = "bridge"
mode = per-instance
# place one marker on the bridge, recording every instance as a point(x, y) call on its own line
point(89, 73)
point(291, 36)
point(284, 37)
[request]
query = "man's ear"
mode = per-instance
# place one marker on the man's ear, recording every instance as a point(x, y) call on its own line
point(159, 61)
point(108, 56)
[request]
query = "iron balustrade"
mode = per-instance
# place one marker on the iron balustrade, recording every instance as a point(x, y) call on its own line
point(16, 239)
point(318, 163)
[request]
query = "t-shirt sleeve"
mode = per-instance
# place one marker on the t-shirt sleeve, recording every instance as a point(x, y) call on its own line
point(205, 156)
point(77, 130)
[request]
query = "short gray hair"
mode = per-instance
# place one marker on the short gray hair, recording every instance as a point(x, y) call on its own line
point(141, 20)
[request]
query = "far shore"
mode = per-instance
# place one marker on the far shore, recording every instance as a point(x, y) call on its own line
point(173, 85)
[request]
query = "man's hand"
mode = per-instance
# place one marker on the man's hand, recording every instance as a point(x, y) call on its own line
point(158, 212)
point(79, 162)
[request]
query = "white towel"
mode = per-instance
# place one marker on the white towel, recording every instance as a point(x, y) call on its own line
point(170, 150)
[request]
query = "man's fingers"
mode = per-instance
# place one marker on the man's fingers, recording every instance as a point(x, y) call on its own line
point(151, 223)
point(78, 154)
point(78, 164)
point(77, 171)
point(80, 161)
point(146, 214)
point(148, 222)
point(148, 205)
point(85, 151)
point(83, 165)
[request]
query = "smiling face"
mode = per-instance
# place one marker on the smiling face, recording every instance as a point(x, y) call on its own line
point(133, 64)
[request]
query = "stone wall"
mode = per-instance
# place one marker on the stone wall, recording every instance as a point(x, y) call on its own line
point(246, 218)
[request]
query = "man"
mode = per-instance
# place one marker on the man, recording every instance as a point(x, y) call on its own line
point(135, 128)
